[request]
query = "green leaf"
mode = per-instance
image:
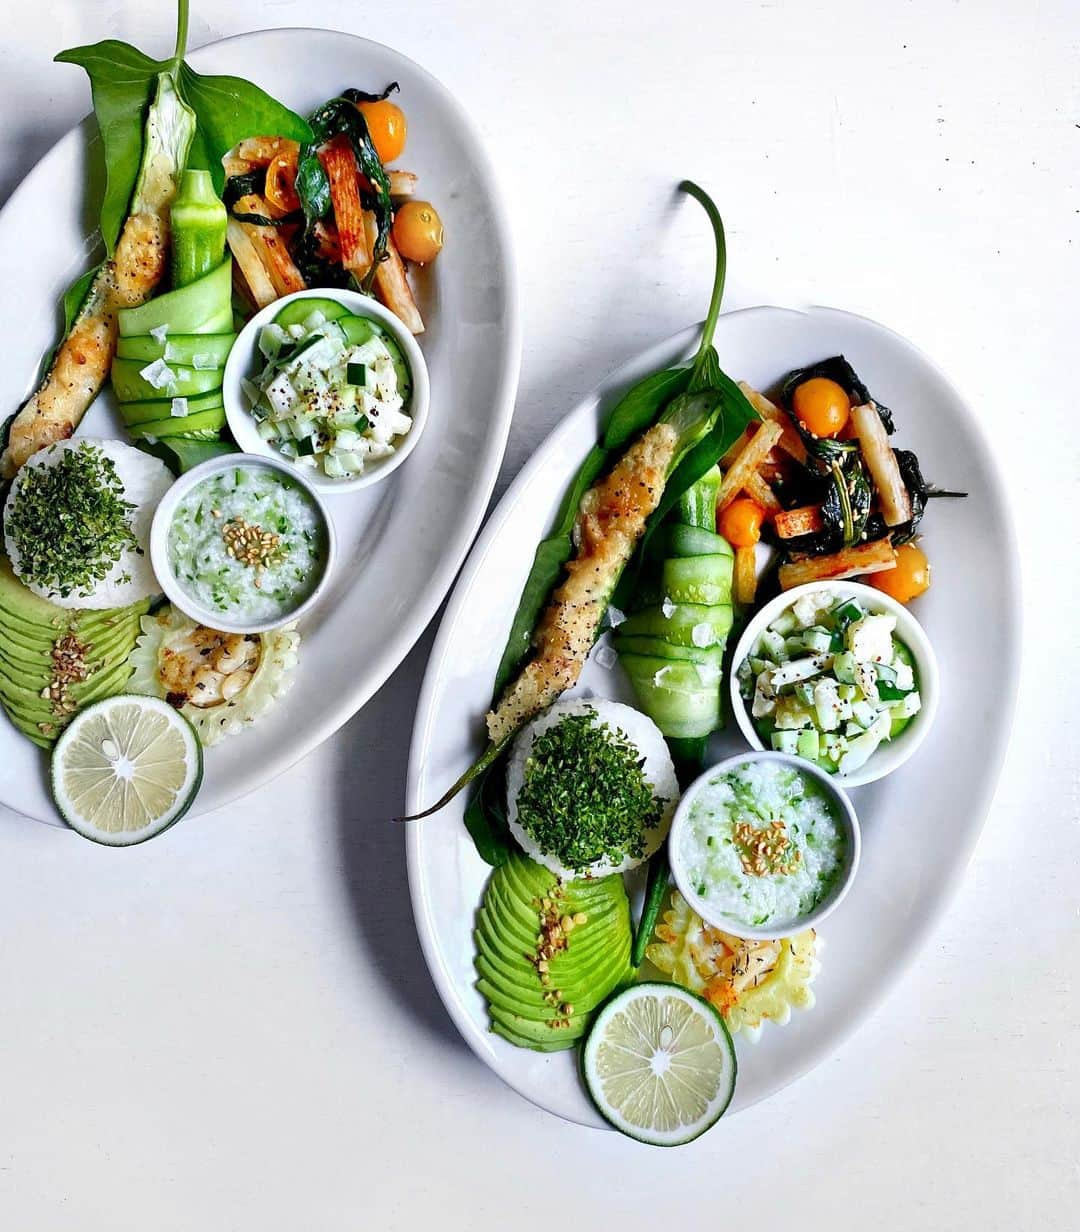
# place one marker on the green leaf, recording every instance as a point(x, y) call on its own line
point(727, 412)
point(228, 110)
point(705, 367)
point(551, 556)
point(476, 771)
point(121, 83)
point(312, 185)
point(735, 415)
point(75, 297)
point(180, 453)
point(485, 816)
point(638, 408)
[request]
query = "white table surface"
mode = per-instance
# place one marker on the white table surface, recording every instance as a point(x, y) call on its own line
point(232, 1027)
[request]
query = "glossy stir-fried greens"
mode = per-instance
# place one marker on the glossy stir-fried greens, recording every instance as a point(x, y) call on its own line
point(833, 494)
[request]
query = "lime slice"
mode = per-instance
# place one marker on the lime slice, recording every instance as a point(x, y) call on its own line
point(659, 1064)
point(125, 769)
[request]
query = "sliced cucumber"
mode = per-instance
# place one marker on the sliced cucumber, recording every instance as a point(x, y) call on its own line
point(210, 350)
point(222, 322)
point(181, 425)
point(158, 408)
point(299, 310)
point(679, 540)
point(712, 656)
point(698, 579)
point(130, 386)
point(187, 310)
point(359, 330)
point(687, 624)
point(679, 700)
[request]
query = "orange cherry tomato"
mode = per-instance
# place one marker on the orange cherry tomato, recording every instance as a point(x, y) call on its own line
point(387, 128)
point(821, 406)
point(418, 232)
point(909, 579)
point(740, 523)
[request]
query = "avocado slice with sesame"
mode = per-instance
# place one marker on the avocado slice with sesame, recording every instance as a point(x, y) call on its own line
point(497, 1028)
point(30, 628)
point(524, 902)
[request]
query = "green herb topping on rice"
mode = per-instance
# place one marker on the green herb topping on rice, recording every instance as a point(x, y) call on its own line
point(70, 521)
point(585, 796)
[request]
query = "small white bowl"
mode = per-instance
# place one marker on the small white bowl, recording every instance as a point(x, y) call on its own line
point(737, 928)
point(246, 360)
point(892, 754)
point(159, 544)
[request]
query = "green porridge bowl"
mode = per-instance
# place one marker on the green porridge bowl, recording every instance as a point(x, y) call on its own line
point(764, 845)
point(242, 544)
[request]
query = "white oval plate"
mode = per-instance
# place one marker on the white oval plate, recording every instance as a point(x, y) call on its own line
point(401, 542)
point(919, 825)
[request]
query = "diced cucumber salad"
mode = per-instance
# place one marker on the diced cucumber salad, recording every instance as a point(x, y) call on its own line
point(334, 391)
point(829, 681)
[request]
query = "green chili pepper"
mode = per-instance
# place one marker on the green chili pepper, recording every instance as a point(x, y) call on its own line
point(199, 223)
point(655, 893)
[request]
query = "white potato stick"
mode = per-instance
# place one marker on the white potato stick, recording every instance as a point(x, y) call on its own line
point(790, 442)
point(391, 284)
point(256, 277)
point(747, 462)
point(881, 463)
point(851, 562)
point(402, 183)
point(758, 490)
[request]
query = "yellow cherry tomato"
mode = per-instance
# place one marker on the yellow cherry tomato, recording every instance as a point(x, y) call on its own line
point(418, 232)
point(740, 523)
point(387, 127)
point(821, 406)
point(909, 579)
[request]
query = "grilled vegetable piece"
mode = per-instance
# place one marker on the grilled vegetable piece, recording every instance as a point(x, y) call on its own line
point(881, 463)
point(611, 522)
point(82, 361)
point(339, 163)
point(747, 463)
point(850, 562)
point(793, 523)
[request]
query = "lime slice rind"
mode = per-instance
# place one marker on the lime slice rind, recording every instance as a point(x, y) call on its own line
point(659, 1064)
point(145, 783)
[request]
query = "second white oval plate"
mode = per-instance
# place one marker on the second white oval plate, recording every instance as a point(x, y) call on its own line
point(919, 825)
point(400, 542)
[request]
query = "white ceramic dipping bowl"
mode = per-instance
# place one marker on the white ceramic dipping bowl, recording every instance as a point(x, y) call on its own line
point(159, 544)
point(892, 754)
point(246, 360)
point(729, 924)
